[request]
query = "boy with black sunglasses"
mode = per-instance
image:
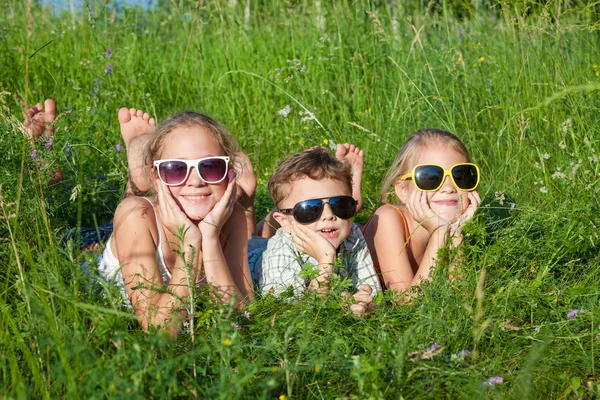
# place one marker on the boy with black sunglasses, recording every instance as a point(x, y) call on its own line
point(312, 193)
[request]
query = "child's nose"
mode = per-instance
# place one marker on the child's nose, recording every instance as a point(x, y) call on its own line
point(194, 179)
point(447, 186)
point(327, 212)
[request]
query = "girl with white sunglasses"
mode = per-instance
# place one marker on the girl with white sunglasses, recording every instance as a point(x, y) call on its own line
point(434, 183)
point(190, 232)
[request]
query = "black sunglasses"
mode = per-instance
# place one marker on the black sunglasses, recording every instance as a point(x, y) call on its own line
point(308, 211)
point(430, 177)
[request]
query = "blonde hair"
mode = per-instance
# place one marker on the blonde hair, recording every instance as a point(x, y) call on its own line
point(415, 142)
point(189, 118)
point(315, 164)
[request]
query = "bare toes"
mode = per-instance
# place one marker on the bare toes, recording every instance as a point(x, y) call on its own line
point(146, 116)
point(152, 122)
point(124, 115)
point(132, 112)
point(49, 110)
point(140, 113)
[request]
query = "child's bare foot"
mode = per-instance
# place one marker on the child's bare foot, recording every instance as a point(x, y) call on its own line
point(135, 127)
point(246, 189)
point(38, 119)
point(356, 158)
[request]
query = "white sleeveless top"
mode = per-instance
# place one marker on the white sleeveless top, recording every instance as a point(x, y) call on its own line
point(110, 267)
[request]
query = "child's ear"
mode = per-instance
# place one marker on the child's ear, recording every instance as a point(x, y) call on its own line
point(283, 221)
point(401, 190)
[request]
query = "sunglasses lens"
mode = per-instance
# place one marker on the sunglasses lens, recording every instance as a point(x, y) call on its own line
point(308, 211)
point(343, 207)
point(428, 177)
point(172, 172)
point(212, 170)
point(465, 176)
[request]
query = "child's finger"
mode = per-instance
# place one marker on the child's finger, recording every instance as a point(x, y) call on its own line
point(365, 288)
point(358, 309)
point(363, 298)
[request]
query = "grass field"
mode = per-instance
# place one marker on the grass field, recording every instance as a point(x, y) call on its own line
point(518, 81)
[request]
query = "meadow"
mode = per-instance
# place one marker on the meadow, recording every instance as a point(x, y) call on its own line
point(518, 81)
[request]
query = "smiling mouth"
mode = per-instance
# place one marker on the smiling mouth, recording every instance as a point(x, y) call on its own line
point(196, 199)
point(447, 202)
point(329, 233)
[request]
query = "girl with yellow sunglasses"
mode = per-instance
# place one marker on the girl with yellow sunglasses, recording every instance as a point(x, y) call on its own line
point(434, 182)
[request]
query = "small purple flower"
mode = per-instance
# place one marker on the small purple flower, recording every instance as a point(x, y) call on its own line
point(433, 347)
point(574, 313)
point(108, 52)
point(420, 307)
point(464, 353)
point(118, 147)
point(247, 314)
point(34, 154)
point(512, 208)
point(68, 149)
point(108, 70)
point(235, 326)
point(494, 380)
point(49, 142)
point(95, 91)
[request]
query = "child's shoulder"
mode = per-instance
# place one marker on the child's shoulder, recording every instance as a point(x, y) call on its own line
point(391, 210)
point(134, 207)
point(388, 217)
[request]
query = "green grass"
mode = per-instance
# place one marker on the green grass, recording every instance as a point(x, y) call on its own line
point(517, 82)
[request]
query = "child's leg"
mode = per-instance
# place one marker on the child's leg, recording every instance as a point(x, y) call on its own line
point(246, 189)
point(136, 127)
point(356, 158)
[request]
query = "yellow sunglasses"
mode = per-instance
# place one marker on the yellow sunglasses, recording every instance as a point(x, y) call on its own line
point(430, 177)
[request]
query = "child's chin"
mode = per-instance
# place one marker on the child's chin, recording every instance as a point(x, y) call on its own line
point(196, 214)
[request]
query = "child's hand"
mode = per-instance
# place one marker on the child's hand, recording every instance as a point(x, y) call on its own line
point(313, 244)
point(418, 206)
point(211, 225)
point(173, 218)
point(474, 201)
point(364, 301)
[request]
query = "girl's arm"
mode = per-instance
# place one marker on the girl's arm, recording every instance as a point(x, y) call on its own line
point(387, 244)
point(135, 240)
point(216, 266)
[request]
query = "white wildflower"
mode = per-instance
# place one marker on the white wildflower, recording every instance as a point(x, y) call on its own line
point(537, 165)
point(546, 156)
point(558, 174)
point(307, 116)
point(565, 126)
point(285, 111)
point(562, 145)
point(332, 145)
point(543, 189)
point(593, 158)
point(500, 197)
point(289, 78)
point(586, 140)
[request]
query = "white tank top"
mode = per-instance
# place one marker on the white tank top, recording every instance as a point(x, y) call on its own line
point(110, 268)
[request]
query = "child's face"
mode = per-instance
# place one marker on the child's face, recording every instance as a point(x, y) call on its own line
point(447, 202)
point(332, 228)
point(195, 197)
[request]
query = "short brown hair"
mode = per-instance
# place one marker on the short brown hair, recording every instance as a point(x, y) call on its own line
point(315, 164)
